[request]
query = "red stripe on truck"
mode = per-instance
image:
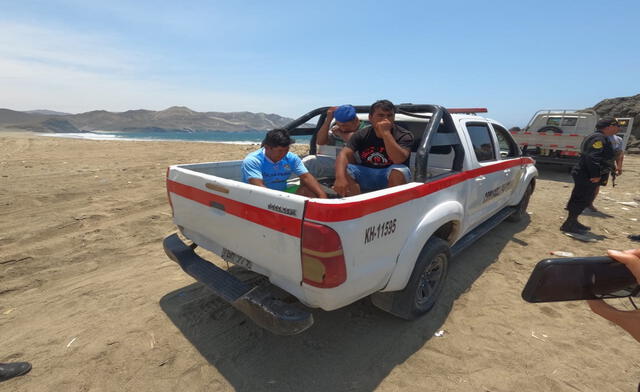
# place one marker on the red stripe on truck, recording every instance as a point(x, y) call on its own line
point(319, 211)
point(266, 218)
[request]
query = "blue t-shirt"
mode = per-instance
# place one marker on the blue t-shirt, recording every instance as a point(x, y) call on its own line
point(274, 175)
point(616, 142)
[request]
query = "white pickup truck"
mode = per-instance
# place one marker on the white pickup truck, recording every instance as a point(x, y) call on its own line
point(556, 136)
point(393, 244)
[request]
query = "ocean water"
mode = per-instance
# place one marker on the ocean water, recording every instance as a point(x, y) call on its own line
point(244, 137)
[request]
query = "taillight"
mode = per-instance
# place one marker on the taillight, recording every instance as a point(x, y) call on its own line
point(323, 262)
point(168, 192)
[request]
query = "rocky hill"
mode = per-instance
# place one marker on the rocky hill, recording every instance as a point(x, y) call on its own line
point(623, 107)
point(174, 118)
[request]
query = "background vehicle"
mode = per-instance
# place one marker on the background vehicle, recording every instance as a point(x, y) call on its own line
point(555, 136)
point(393, 244)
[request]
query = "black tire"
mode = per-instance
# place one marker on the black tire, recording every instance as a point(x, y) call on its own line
point(521, 209)
point(550, 129)
point(426, 281)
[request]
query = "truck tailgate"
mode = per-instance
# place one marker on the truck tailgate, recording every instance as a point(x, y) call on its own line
point(255, 227)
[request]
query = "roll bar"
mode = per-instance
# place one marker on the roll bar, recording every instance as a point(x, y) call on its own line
point(439, 115)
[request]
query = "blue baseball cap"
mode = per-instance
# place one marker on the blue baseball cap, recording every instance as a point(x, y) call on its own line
point(344, 113)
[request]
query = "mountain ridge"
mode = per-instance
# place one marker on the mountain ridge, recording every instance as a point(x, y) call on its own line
point(182, 118)
point(174, 118)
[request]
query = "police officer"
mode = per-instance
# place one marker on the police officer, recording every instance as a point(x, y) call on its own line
point(592, 170)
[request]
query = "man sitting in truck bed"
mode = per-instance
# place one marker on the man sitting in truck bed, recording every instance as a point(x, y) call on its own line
point(384, 150)
point(272, 165)
point(347, 123)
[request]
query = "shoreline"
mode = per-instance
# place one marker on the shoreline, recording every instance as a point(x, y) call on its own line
point(103, 136)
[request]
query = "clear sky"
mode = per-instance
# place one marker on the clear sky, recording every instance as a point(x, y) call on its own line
point(287, 57)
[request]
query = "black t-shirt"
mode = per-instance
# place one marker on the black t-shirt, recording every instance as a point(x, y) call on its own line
point(370, 148)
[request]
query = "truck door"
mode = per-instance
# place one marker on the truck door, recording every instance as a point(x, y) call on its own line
point(625, 130)
point(508, 153)
point(484, 187)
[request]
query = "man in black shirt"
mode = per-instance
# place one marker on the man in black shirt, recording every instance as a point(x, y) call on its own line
point(596, 161)
point(384, 150)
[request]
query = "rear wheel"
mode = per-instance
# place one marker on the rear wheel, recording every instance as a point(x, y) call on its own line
point(549, 130)
point(430, 282)
point(424, 286)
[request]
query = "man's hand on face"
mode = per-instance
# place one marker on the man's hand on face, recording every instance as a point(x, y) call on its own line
point(330, 111)
point(337, 131)
point(383, 127)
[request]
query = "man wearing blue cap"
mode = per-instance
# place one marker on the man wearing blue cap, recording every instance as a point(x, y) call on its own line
point(383, 149)
point(346, 124)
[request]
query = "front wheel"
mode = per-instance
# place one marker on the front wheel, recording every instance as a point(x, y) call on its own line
point(521, 208)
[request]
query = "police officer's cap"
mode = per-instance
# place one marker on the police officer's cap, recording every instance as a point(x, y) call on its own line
point(605, 122)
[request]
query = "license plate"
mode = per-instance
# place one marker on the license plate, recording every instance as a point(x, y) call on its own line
point(234, 258)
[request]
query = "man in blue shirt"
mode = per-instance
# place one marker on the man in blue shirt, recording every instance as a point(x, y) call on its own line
point(272, 165)
point(616, 142)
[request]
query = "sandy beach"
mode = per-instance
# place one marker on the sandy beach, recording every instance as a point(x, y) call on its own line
point(88, 296)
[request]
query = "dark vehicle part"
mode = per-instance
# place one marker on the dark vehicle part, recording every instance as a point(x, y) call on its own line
point(260, 303)
point(550, 129)
point(440, 120)
point(579, 278)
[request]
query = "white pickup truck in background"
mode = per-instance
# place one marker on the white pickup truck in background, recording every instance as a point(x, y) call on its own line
point(392, 244)
point(555, 136)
